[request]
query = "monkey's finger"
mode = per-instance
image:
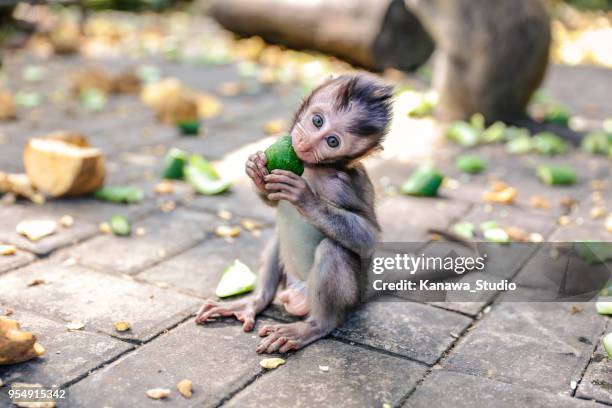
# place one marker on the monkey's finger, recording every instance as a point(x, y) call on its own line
point(280, 187)
point(280, 196)
point(275, 178)
point(262, 157)
point(287, 173)
point(289, 345)
point(248, 322)
point(215, 311)
point(277, 344)
point(209, 304)
point(267, 329)
point(265, 344)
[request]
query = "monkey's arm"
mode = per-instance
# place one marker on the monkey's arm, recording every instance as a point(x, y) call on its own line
point(350, 229)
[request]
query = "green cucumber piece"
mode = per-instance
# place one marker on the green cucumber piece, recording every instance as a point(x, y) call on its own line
point(464, 229)
point(174, 162)
point(607, 344)
point(496, 235)
point(120, 194)
point(204, 166)
point(236, 280)
point(120, 225)
point(604, 308)
point(547, 143)
point(282, 156)
point(203, 184)
point(463, 134)
point(470, 164)
point(424, 182)
point(553, 175)
point(189, 127)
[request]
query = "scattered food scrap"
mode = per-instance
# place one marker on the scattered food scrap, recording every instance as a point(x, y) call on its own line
point(274, 127)
point(500, 193)
point(122, 326)
point(120, 225)
point(607, 344)
point(120, 194)
point(554, 175)
point(6, 250)
point(324, 368)
point(227, 231)
point(271, 363)
point(236, 280)
point(471, 164)
point(7, 106)
point(74, 326)
point(35, 230)
point(537, 201)
point(66, 221)
point(424, 181)
point(158, 393)
point(185, 387)
point(464, 229)
point(20, 185)
point(63, 164)
point(16, 345)
point(164, 187)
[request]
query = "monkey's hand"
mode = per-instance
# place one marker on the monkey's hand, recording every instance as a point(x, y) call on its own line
point(285, 185)
point(243, 309)
point(256, 169)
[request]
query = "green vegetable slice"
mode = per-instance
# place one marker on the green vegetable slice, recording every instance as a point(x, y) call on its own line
point(204, 166)
point(120, 194)
point(93, 99)
point(556, 175)
point(607, 344)
point(424, 181)
point(597, 143)
point(120, 225)
point(464, 229)
point(470, 164)
point(521, 144)
point(604, 308)
point(173, 164)
point(189, 127)
point(236, 280)
point(497, 235)
point(203, 184)
point(547, 143)
point(463, 134)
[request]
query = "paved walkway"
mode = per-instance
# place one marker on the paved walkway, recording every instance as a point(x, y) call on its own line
point(403, 354)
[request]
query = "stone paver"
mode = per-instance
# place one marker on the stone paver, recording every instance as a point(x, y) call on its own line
point(218, 358)
point(68, 354)
point(14, 261)
point(554, 345)
point(450, 389)
point(10, 216)
point(597, 380)
point(240, 200)
point(417, 331)
point(355, 377)
point(407, 219)
point(74, 293)
point(199, 269)
point(166, 234)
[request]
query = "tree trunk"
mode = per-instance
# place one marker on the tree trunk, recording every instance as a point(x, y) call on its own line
point(375, 34)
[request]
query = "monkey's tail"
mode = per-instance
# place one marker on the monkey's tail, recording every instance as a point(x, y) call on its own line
point(534, 126)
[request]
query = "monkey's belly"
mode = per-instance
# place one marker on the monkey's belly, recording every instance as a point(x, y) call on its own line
point(298, 240)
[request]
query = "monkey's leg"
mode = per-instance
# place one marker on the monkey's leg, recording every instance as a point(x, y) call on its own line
point(246, 309)
point(294, 298)
point(332, 291)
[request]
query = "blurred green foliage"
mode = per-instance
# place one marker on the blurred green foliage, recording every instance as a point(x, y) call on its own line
point(590, 4)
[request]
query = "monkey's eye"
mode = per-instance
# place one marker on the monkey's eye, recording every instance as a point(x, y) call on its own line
point(317, 120)
point(333, 141)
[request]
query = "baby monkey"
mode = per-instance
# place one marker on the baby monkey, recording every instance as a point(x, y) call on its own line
point(325, 218)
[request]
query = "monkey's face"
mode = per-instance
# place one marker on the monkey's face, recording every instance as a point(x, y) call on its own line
point(321, 135)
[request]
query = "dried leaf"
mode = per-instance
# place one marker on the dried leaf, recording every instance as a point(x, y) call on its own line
point(271, 363)
point(36, 282)
point(35, 230)
point(158, 393)
point(185, 387)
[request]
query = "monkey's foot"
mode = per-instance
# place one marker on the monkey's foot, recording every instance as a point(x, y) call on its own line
point(294, 300)
point(292, 336)
point(243, 309)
